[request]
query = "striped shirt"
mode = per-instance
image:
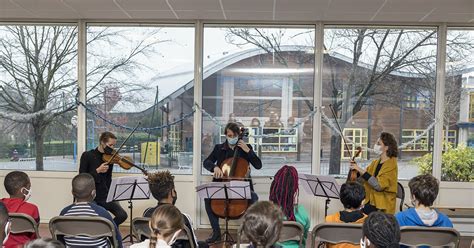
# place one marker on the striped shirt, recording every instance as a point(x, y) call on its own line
point(87, 209)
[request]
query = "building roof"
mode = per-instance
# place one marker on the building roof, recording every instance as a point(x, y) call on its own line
point(180, 79)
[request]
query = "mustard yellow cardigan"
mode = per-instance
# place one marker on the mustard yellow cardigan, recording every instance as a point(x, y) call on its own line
point(383, 197)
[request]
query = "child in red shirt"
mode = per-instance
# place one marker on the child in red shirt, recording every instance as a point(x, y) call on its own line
point(18, 186)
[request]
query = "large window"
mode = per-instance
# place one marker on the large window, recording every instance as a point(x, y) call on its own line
point(38, 86)
point(143, 74)
point(261, 77)
point(458, 158)
point(378, 79)
point(471, 107)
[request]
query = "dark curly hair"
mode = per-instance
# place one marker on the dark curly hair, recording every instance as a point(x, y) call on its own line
point(161, 183)
point(424, 188)
point(352, 194)
point(389, 140)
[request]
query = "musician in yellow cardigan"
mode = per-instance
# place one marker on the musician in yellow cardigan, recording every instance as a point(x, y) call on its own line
point(381, 176)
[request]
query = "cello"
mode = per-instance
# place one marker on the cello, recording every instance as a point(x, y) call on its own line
point(234, 168)
point(352, 174)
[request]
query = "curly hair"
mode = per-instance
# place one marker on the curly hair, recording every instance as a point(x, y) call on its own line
point(262, 224)
point(161, 183)
point(424, 188)
point(389, 140)
point(382, 230)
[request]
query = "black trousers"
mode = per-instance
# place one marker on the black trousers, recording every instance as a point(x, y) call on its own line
point(120, 215)
point(214, 219)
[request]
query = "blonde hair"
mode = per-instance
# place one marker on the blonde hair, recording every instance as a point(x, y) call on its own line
point(165, 221)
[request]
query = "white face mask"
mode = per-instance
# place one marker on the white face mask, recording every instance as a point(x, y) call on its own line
point(7, 231)
point(162, 243)
point(27, 195)
point(378, 149)
point(363, 243)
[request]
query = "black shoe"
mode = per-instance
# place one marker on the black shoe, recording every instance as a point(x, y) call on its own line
point(215, 236)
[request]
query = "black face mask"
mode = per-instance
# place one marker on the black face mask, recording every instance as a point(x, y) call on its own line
point(175, 197)
point(108, 150)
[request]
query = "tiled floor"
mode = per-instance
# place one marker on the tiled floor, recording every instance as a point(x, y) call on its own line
point(203, 234)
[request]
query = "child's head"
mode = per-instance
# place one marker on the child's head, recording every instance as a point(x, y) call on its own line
point(4, 223)
point(380, 230)
point(162, 186)
point(165, 224)
point(83, 187)
point(18, 185)
point(262, 223)
point(424, 190)
point(284, 190)
point(352, 194)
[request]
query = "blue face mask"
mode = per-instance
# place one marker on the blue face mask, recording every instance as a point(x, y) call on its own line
point(232, 141)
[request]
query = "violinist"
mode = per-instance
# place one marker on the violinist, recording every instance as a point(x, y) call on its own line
point(220, 153)
point(92, 163)
point(380, 178)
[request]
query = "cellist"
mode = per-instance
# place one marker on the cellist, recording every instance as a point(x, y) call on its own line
point(220, 153)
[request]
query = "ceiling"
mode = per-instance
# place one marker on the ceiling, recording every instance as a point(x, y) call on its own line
point(419, 11)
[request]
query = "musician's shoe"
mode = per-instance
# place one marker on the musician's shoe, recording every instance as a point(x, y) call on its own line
point(215, 236)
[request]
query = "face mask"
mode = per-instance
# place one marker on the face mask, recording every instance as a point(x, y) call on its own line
point(27, 195)
point(175, 236)
point(377, 149)
point(108, 150)
point(232, 141)
point(7, 231)
point(93, 194)
point(162, 243)
point(363, 244)
point(175, 197)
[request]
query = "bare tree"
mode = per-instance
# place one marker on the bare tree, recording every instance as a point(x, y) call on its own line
point(373, 55)
point(39, 64)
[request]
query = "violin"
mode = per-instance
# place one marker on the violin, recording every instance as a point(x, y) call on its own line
point(352, 175)
point(125, 162)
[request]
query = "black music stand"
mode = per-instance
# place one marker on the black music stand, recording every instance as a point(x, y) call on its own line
point(322, 186)
point(128, 189)
point(233, 190)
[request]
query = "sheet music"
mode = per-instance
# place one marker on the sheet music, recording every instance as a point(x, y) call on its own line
point(215, 190)
point(121, 188)
point(327, 185)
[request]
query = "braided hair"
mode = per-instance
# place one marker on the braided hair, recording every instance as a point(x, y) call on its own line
point(382, 230)
point(284, 190)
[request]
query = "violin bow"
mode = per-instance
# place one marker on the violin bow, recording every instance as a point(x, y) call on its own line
point(340, 130)
point(123, 143)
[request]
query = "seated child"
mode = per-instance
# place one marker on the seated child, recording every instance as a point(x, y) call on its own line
point(18, 186)
point(424, 190)
point(352, 194)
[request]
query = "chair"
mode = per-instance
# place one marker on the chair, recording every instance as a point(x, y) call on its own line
point(401, 194)
point(429, 236)
point(335, 233)
point(23, 223)
point(187, 235)
point(291, 231)
point(141, 228)
point(90, 226)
